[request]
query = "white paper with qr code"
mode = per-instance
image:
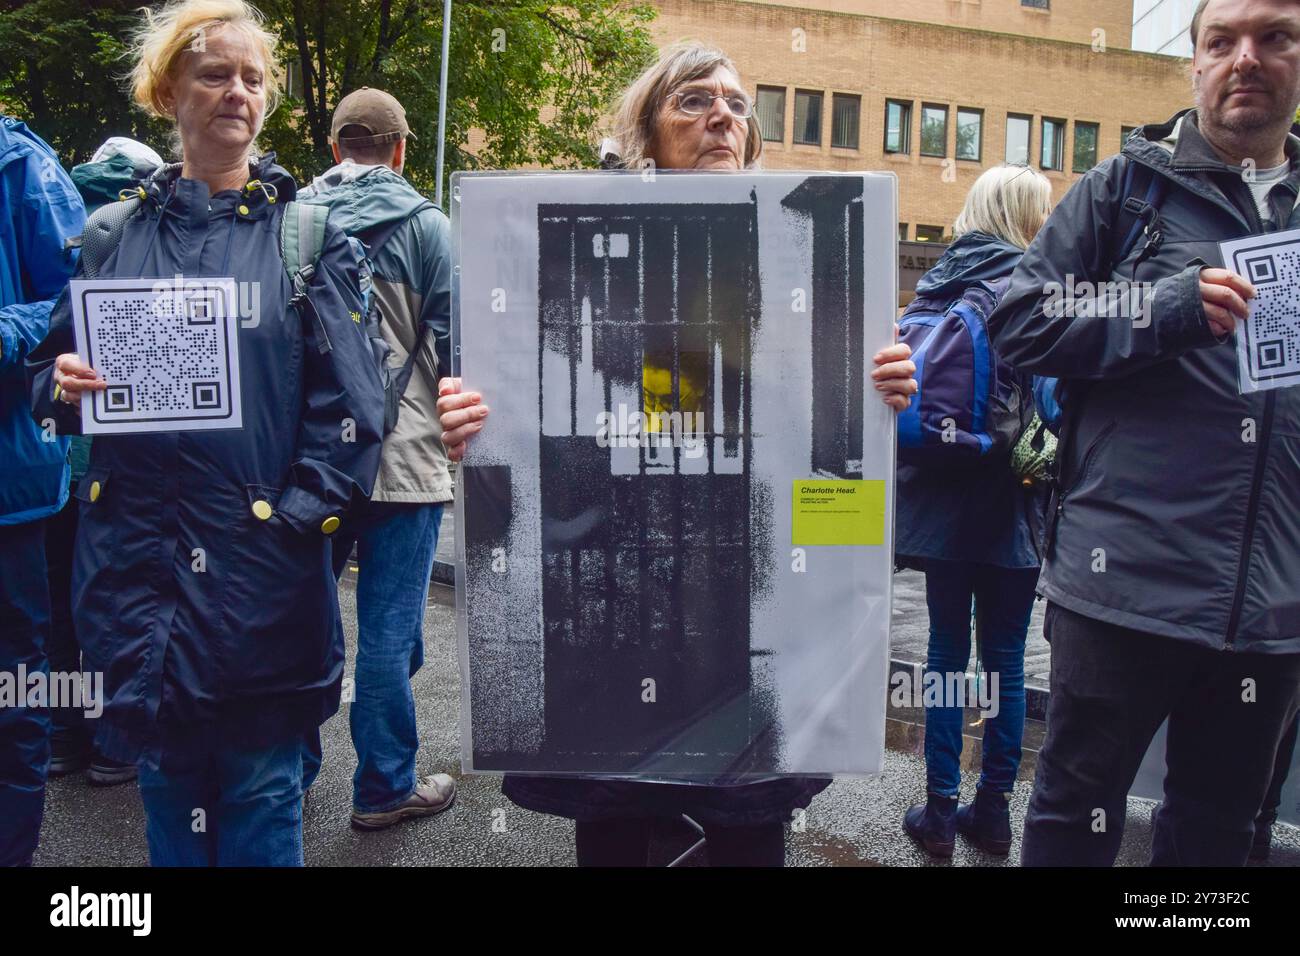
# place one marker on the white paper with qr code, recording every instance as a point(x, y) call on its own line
point(168, 350)
point(1268, 343)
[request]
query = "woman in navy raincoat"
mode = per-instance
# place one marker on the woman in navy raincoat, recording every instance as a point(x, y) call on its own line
point(202, 583)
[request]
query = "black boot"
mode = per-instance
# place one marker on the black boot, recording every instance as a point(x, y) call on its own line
point(933, 824)
point(1263, 841)
point(987, 822)
point(103, 772)
point(69, 752)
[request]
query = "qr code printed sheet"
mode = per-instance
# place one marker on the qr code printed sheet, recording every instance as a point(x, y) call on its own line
point(167, 349)
point(1268, 343)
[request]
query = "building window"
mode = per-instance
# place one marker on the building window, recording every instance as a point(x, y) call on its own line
point(1124, 132)
point(1053, 152)
point(898, 126)
point(970, 134)
point(769, 107)
point(1018, 129)
point(902, 232)
point(934, 130)
point(1085, 146)
point(1037, 4)
point(844, 120)
point(807, 117)
point(929, 233)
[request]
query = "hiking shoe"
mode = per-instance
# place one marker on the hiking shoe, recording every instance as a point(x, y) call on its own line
point(433, 794)
point(933, 824)
point(103, 772)
point(987, 822)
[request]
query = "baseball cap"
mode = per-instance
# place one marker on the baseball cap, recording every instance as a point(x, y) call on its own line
point(373, 110)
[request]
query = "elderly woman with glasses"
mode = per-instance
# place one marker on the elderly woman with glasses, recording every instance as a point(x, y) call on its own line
point(687, 111)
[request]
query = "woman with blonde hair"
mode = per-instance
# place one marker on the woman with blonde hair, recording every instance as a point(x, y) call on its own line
point(687, 111)
point(202, 580)
point(974, 532)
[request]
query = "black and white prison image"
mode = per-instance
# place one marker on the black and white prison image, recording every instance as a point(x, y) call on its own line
point(667, 355)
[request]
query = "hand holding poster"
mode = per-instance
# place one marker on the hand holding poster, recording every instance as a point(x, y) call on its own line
point(674, 540)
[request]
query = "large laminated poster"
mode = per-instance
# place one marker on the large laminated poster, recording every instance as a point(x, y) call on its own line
point(674, 536)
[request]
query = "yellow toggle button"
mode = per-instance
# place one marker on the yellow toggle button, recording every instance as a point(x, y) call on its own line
point(94, 491)
point(243, 210)
point(261, 510)
point(330, 525)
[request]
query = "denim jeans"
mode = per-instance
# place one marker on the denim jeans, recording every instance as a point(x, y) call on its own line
point(1003, 599)
point(222, 805)
point(1112, 687)
point(395, 547)
point(24, 731)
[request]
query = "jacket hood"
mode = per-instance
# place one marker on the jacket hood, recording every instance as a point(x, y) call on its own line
point(101, 182)
point(362, 198)
point(972, 257)
point(279, 186)
point(15, 137)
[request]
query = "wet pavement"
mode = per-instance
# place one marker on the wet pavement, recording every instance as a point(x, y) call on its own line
point(856, 822)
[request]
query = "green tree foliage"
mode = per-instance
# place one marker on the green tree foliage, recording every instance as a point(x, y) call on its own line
point(61, 70)
point(534, 77)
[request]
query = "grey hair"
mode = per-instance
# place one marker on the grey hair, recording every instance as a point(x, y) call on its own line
point(636, 119)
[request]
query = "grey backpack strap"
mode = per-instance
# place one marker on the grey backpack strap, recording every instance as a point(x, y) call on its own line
point(103, 232)
point(302, 239)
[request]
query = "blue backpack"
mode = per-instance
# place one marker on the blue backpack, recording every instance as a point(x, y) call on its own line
point(302, 238)
point(970, 407)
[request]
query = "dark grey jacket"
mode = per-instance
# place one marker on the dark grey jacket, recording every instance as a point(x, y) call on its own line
point(1180, 505)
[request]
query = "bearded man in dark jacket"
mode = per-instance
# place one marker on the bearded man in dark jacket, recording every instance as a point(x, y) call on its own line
point(1173, 550)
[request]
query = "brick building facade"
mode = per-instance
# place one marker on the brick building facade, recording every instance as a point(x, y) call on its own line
point(957, 87)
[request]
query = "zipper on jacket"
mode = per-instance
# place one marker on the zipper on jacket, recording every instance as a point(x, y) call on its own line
point(1252, 516)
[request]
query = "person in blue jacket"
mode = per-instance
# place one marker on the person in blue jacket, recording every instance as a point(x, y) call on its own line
point(39, 212)
point(118, 164)
point(974, 533)
point(202, 581)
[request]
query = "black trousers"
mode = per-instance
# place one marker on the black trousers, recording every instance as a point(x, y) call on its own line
point(626, 842)
point(64, 651)
point(1111, 688)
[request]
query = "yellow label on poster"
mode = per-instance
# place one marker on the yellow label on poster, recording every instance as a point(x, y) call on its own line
point(838, 511)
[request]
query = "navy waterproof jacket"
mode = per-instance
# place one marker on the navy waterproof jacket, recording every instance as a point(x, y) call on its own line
point(980, 513)
point(39, 212)
point(201, 610)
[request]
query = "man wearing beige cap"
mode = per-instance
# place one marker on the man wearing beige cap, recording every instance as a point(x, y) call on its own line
point(409, 245)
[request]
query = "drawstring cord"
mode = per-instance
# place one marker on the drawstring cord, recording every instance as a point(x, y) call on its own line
point(153, 233)
point(268, 190)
